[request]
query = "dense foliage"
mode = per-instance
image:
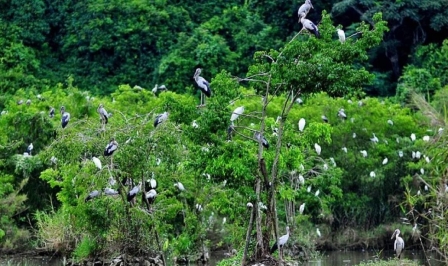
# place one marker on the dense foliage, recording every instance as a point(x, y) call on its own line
point(366, 177)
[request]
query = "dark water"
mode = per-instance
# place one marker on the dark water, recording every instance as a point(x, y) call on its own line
point(332, 258)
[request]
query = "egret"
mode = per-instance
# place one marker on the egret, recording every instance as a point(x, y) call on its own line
point(400, 153)
point(180, 186)
point(385, 161)
point(111, 147)
point(374, 139)
point(92, 195)
point(133, 192)
point(341, 35)
point(317, 193)
point(110, 192)
point(280, 243)
point(360, 103)
point(426, 138)
point(364, 153)
point(354, 135)
point(418, 155)
point(333, 161)
point(399, 243)
point(413, 137)
point(422, 171)
point(203, 84)
point(259, 138)
point(151, 196)
point(299, 101)
point(152, 183)
point(419, 192)
point(427, 159)
point(341, 114)
point(301, 180)
point(413, 154)
point(324, 118)
point(372, 174)
point(194, 124)
point(30, 148)
point(309, 25)
point(308, 189)
point(302, 208)
point(160, 118)
point(236, 113)
point(390, 122)
point(344, 149)
point(305, 8)
point(97, 162)
point(426, 187)
point(318, 232)
point(65, 117)
point(317, 148)
point(302, 123)
point(51, 114)
point(103, 114)
point(325, 166)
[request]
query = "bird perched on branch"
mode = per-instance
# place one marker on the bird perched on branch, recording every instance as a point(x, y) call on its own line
point(261, 138)
point(309, 25)
point(280, 243)
point(399, 242)
point(305, 8)
point(92, 195)
point(65, 117)
point(160, 118)
point(111, 147)
point(203, 84)
point(341, 35)
point(103, 114)
point(133, 192)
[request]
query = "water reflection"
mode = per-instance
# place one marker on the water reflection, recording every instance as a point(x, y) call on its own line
point(330, 258)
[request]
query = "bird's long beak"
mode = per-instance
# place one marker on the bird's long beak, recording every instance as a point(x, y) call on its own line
point(393, 235)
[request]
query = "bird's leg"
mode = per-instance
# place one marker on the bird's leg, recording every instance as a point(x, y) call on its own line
point(202, 99)
point(112, 162)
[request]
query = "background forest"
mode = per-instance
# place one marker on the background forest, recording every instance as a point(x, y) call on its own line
point(380, 168)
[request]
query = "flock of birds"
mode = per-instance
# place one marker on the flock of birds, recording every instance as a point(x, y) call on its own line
point(149, 194)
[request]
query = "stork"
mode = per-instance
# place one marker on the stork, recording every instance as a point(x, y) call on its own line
point(51, 114)
point(103, 115)
point(30, 148)
point(341, 114)
point(305, 8)
point(110, 192)
point(203, 84)
point(92, 195)
point(324, 118)
point(341, 35)
point(160, 118)
point(280, 243)
point(133, 192)
point(399, 243)
point(309, 25)
point(111, 147)
point(261, 138)
point(65, 117)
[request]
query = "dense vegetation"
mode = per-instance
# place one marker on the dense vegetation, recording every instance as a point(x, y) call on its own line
point(369, 173)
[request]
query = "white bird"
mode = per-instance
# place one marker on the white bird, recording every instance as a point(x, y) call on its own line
point(304, 9)
point(279, 118)
point(158, 88)
point(299, 101)
point(158, 161)
point(413, 137)
point(385, 161)
point(281, 242)
point(153, 183)
point(30, 148)
point(65, 117)
point(236, 113)
point(302, 208)
point(422, 171)
point(194, 124)
point(400, 153)
point(341, 35)
point(333, 161)
point(318, 232)
point(161, 118)
point(426, 138)
point(364, 153)
point(133, 192)
point(110, 192)
point(180, 186)
point(302, 123)
point(344, 149)
point(249, 205)
point(426, 188)
point(360, 103)
point(203, 84)
point(103, 114)
point(199, 207)
point(317, 193)
point(317, 148)
point(390, 122)
point(111, 181)
point(427, 159)
point(372, 174)
point(342, 114)
point(301, 180)
point(354, 135)
point(418, 155)
point(28, 102)
point(324, 118)
point(111, 147)
point(399, 243)
point(413, 154)
point(309, 25)
point(419, 192)
point(308, 189)
point(374, 139)
point(53, 160)
point(97, 163)
point(325, 166)
point(151, 196)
